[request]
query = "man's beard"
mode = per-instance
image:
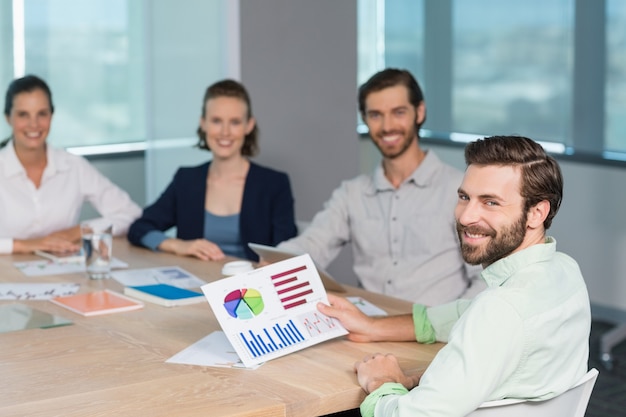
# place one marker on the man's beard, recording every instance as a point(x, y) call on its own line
point(501, 245)
point(407, 140)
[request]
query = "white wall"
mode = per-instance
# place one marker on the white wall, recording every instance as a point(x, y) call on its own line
point(298, 59)
point(591, 227)
point(127, 172)
point(304, 96)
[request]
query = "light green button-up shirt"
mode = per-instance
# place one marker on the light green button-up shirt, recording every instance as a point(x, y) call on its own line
point(526, 336)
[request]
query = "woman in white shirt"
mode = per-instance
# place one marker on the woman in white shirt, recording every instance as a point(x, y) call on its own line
point(42, 189)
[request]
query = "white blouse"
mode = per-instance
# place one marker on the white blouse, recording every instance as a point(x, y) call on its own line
point(68, 181)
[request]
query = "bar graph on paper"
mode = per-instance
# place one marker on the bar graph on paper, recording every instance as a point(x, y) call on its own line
point(292, 289)
point(272, 311)
point(271, 339)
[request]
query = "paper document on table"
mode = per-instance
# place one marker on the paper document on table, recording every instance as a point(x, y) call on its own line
point(171, 275)
point(211, 350)
point(366, 307)
point(36, 291)
point(47, 267)
point(77, 257)
point(272, 311)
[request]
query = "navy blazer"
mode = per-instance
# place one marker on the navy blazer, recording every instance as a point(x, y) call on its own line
point(266, 216)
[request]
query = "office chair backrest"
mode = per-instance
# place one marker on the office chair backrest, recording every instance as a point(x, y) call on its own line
point(572, 403)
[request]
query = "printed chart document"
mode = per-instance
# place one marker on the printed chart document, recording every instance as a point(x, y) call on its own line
point(272, 311)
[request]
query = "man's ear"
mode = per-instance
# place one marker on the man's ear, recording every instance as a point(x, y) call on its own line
point(537, 214)
point(420, 113)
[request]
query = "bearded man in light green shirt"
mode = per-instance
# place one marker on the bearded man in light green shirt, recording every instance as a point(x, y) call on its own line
point(525, 336)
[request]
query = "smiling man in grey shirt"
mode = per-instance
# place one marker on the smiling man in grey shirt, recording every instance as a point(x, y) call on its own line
point(400, 219)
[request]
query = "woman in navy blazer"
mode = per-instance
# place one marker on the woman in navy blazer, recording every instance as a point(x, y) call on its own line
point(220, 206)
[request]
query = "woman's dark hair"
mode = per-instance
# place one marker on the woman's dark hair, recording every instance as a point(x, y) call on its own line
point(230, 88)
point(25, 84)
point(541, 175)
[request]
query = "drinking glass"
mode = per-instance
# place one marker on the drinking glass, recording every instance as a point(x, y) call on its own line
point(98, 249)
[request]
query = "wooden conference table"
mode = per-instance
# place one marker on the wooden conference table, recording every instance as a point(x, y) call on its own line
point(115, 364)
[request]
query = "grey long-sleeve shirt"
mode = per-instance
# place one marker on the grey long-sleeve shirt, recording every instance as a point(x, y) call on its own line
point(403, 240)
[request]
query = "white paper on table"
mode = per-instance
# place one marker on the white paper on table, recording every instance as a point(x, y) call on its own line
point(272, 311)
point(37, 291)
point(171, 275)
point(366, 307)
point(212, 350)
point(47, 267)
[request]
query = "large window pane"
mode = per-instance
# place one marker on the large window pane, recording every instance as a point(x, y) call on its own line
point(615, 120)
point(370, 38)
point(512, 67)
point(91, 55)
point(404, 35)
point(6, 49)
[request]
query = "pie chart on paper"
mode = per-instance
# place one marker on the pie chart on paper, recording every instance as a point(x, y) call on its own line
point(245, 303)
